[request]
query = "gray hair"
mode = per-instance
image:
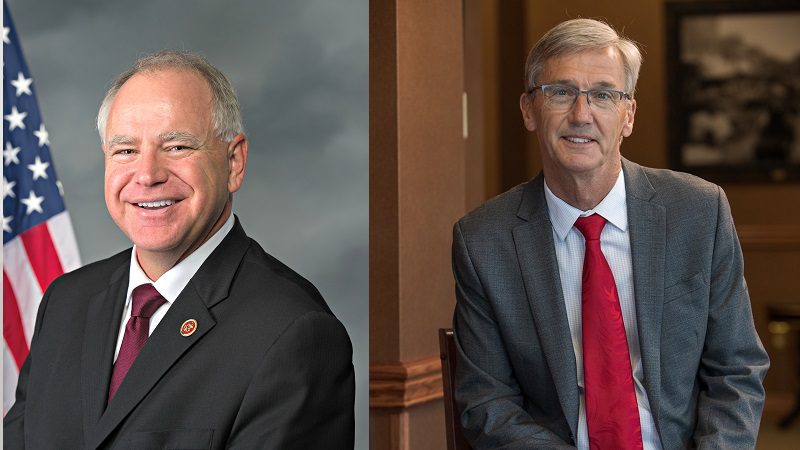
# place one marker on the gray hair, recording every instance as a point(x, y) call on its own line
point(226, 113)
point(578, 35)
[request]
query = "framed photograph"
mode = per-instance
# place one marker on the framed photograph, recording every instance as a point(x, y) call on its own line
point(734, 89)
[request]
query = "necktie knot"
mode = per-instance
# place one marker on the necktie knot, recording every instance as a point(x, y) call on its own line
point(591, 226)
point(146, 300)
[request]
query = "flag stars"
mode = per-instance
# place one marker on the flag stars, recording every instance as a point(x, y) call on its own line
point(10, 154)
point(8, 188)
point(39, 169)
point(6, 31)
point(43, 135)
point(15, 119)
point(7, 224)
point(33, 202)
point(22, 84)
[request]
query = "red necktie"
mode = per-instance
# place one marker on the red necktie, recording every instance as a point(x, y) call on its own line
point(612, 414)
point(146, 300)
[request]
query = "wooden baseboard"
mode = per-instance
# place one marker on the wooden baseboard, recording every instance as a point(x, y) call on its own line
point(402, 384)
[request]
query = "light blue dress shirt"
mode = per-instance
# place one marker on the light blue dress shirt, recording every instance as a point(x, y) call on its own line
point(615, 242)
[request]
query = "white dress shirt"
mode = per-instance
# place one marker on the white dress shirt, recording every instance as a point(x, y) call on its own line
point(570, 247)
point(171, 284)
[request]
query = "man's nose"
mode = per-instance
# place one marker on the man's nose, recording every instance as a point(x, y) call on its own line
point(150, 169)
point(581, 111)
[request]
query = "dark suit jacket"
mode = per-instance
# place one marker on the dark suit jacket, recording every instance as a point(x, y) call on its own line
point(516, 382)
point(268, 367)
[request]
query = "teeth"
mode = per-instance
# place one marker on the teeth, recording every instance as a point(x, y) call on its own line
point(578, 140)
point(158, 204)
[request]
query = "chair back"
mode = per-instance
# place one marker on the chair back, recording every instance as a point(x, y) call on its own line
point(447, 349)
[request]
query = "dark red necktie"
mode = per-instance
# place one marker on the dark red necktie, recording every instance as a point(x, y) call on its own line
point(612, 414)
point(146, 300)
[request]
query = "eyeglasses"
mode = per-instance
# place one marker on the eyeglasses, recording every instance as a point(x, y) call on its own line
point(562, 97)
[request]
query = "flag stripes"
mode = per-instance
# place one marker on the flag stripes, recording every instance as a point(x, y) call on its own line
point(23, 283)
point(12, 325)
point(42, 255)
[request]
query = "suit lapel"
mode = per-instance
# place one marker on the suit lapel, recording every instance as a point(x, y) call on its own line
point(537, 259)
point(536, 253)
point(161, 351)
point(647, 225)
point(165, 346)
point(100, 336)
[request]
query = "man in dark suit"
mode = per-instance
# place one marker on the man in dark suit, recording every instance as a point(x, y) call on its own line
point(602, 304)
point(242, 351)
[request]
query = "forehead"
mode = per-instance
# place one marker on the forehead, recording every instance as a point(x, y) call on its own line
point(161, 96)
point(588, 67)
point(184, 82)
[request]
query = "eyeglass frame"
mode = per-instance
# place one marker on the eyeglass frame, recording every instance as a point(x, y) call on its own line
point(622, 94)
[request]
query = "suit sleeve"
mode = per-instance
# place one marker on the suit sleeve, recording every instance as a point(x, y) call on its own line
point(303, 394)
point(487, 393)
point(733, 362)
point(14, 421)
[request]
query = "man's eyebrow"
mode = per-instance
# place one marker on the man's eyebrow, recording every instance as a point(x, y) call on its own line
point(181, 136)
point(598, 85)
point(606, 85)
point(563, 82)
point(120, 140)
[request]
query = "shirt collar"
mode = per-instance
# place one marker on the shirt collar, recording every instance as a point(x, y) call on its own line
point(171, 284)
point(613, 207)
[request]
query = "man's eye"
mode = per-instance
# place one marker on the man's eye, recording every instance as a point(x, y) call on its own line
point(602, 95)
point(125, 151)
point(179, 148)
point(560, 92)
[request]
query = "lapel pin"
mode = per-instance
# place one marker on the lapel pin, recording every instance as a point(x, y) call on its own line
point(188, 328)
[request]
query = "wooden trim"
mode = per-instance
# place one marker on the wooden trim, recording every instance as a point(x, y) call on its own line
point(400, 431)
point(769, 237)
point(403, 384)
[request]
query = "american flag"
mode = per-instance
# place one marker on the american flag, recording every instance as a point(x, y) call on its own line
point(38, 240)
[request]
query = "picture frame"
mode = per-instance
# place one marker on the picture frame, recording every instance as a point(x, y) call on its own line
point(734, 89)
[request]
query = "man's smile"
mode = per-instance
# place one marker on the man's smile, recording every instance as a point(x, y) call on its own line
point(155, 204)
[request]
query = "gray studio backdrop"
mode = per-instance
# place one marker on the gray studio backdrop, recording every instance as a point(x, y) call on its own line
point(300, 69)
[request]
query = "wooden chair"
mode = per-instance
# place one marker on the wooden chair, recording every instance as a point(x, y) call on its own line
point(784, 318)
point(447, 349)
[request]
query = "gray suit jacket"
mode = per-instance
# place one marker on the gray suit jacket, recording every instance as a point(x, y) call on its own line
point(516, 382)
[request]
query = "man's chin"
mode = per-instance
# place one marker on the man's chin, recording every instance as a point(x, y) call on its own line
point(156, 246)
point(587, 162)
point(581, 165)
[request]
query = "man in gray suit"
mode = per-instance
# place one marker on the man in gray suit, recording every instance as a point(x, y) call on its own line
point(531, 362)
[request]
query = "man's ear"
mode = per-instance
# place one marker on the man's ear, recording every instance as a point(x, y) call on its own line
point(526, 106)
point(237, 162)
point(630, 113)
